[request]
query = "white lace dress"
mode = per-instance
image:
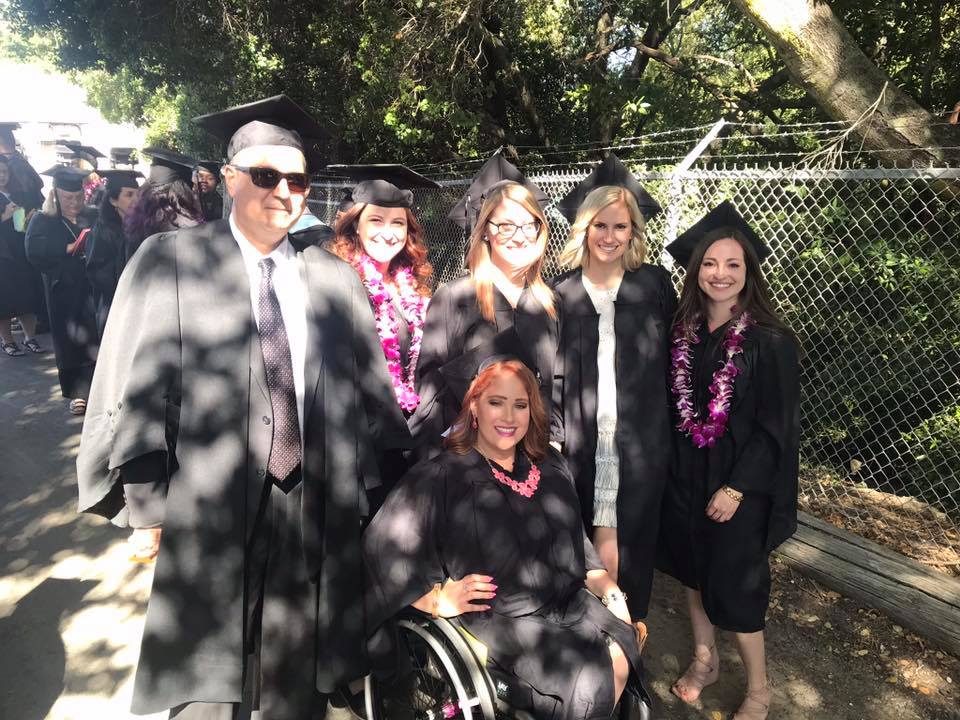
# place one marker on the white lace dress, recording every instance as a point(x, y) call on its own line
point(607, 475)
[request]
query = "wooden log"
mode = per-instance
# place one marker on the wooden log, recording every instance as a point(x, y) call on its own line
point(914, 596)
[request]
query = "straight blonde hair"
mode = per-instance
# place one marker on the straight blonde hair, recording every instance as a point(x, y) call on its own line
point(575, 252)
point(481, 264)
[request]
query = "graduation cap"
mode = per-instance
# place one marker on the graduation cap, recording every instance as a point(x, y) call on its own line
point(460, 372)
point(85, 152)
point(6, 130)
point(211, 166)
point(68, 179)
point(723, 216)
point(399, 175)
point(496, 172)
point(276, 120)
point(609, 172)
point(384, 184)
point(121, 155)
point(117, 179)
point(168, 165)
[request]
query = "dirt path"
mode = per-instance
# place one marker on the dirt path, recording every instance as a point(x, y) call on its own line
point(71, 606)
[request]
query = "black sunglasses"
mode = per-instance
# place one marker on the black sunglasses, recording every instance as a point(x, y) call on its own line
point(268, 178)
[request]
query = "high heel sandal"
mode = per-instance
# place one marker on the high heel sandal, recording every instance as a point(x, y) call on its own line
point(755, 705)
point(689, 686)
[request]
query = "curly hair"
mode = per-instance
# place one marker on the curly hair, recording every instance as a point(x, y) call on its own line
point(463, 436)
point(346, 244)
point(160, 207)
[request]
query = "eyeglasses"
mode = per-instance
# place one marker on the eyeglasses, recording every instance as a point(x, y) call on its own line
point(507, 230)
point(268, 178)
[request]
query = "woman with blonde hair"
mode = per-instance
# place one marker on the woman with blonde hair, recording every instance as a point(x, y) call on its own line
point(55, 244)
point(611, 377)
point(502, 288)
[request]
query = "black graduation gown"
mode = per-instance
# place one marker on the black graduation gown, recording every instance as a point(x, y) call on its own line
point(450, 517)
point(211, 203)
point(181, 376)
point(19, 291)
point(454, 325)
point(105, 256)
point(758, 455)
point(643, 313)
point(73, 324)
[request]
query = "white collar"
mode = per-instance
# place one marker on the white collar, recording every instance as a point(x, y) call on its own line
point(252, 256)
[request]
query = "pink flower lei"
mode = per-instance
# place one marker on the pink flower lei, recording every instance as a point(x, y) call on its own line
point(414, 308)
point(705, 432)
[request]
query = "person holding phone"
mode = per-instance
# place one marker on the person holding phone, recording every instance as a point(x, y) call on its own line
point(54, 244)
point(18, 292)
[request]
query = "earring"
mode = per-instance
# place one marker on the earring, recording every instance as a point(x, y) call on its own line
point(474, 423)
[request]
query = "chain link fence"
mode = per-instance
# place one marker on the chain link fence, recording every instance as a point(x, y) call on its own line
point(866, 269)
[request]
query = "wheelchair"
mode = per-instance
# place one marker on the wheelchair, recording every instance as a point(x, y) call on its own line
point(449, 677)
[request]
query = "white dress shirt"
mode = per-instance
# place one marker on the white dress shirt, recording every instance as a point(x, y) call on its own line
point(291, 292)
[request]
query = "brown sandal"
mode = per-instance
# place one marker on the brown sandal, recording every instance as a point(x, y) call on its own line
point(700, 674)
point(754, 707)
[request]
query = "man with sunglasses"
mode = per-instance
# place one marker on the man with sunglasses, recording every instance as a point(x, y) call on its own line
point(242, 403)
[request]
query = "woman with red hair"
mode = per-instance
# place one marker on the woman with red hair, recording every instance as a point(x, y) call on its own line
point(489, 533)
point(383, 241)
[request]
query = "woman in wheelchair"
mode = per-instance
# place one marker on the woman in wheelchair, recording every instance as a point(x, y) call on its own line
point(490, 533)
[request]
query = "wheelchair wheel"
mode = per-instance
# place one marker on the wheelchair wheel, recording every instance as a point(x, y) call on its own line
point(442, 681)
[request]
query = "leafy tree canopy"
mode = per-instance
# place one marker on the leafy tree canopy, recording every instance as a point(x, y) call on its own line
point(427, 80)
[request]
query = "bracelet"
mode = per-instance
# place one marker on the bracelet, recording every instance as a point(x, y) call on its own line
point(732, 494)
point(435, 601)
point(613, 596)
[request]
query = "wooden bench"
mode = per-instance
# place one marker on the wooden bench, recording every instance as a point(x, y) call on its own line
point(913, 595)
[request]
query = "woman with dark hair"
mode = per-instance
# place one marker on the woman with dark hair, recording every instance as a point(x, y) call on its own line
point(167, 200)
point(19, 295)
point(489, 533)
point(105, 248)
point(55, 245)
point(503, 288)
point(615, 349)
point(381, 238)
point(732, 497)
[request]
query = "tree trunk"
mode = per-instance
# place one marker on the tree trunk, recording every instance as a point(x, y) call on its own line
point(826, 61)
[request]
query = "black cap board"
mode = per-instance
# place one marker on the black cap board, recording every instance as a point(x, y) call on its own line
point(276, 120)
point(399, 175)
point(85, 152)
point(168, 165)
point(723, 215)
point(211, 166)
point(68, 179)
point(460, 372)
point(121, 155)
point(609, 172)
point(117, 179)
point(495, 172)
point(382, 194)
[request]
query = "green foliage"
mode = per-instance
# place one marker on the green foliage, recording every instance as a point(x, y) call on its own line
point(424, 80)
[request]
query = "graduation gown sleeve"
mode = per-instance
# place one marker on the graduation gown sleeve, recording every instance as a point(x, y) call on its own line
point(430, 418)
point(776, 422)
point(401, 546)
point(132, 419)
point(46, 243)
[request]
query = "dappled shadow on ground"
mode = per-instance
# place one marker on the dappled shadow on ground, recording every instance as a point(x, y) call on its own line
point(34, 656)
point(71, 605)
point(828, 658)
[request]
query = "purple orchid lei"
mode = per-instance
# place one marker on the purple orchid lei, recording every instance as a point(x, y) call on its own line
point(414, 308)
point(705, 433)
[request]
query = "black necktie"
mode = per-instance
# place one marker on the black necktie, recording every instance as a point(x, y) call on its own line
point(285, 449)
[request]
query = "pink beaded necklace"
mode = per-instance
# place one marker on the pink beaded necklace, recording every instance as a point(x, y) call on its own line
point(526, 488)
